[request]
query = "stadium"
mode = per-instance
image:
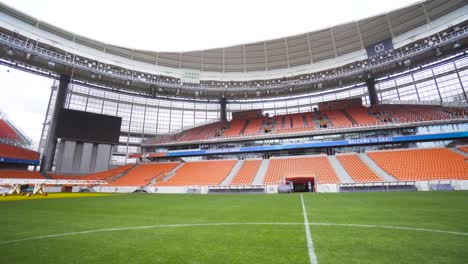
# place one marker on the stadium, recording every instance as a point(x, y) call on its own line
point(347, 144)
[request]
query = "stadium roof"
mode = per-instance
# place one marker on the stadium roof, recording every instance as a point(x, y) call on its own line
point(306, 53)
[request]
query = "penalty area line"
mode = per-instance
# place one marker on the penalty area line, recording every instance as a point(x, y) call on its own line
point(310, 243)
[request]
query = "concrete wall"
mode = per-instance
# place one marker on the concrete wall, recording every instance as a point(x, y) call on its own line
point(76, 157)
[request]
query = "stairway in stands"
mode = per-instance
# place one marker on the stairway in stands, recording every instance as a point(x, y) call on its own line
point(233, 173)
point(340, 170)
point(118, 176)
point(172, 172)
point(260, 176)
point(376, 168)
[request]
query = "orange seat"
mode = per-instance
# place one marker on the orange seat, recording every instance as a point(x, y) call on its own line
point(10, 151)
point(247, 172)
point(14, 174)
point(316, 166)
point(203, 173)
point(143, 174)
point(422, 164)
point(102, 175)
point(357, 169)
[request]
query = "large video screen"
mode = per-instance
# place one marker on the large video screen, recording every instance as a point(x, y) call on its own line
point(88, 127)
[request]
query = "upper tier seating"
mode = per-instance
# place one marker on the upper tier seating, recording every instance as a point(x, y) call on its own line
point(17, 174)
point(362, 116)
point(208, 131)
point(357, 169)
point(316, 166)
point(103, 175)
point(236, 128)
point(254, 126)
point(10, 151)
point(338, 119)
point(422, 164)
point(143, 174)
point(410, 113)
point(329, 119)
point(192, 173)
point(6, 132)
point(247, 172)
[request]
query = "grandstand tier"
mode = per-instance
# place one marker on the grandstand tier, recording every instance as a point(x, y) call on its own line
point(103, 175)
point(357, 169)
point(422, 164)
point(14, 152)
point(318, 167)
point(246, 173)
point(196, 173)
point(351, 117)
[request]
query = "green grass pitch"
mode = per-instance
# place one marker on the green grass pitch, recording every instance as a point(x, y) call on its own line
point(222, 238)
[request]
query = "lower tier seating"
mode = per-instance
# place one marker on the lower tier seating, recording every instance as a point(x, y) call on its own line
point(247, 172)
point(143, 174)
point(315, 166)
point(422, 164)
point(103, 175)
point(193, 173)
point(463, 148)
point(357, 169)
point(16, 174)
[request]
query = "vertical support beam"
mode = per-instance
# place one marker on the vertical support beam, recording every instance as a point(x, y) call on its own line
point(437, 85)
point(370, 84)
point(51, 142)
point(223, 113)
point(415, 86)
point(461, 82)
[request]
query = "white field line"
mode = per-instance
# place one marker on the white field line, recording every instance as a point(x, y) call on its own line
point(394, 227)
point(310, 243)
point(228, 224)
point(141, 227)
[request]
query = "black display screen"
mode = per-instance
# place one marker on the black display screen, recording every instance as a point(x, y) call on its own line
point(88, 127)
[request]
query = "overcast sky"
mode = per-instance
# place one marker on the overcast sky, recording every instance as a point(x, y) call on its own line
point(173, 25)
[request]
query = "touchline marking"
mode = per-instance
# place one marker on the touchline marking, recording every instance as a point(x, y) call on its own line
point(229, 224)
point(310, 243)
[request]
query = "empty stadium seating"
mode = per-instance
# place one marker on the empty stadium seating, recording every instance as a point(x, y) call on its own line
point(362, 116)
point(10, 151)
point(235, 129)
point(422, 164)
point(6, 132)
point(143, 174)
point(254, 126)
point(200, 173)
point(16, 174)
point(357, 169)
point(355, 116)
point(103, 175)
point(463, 148)
point(247, 172)
point(338, 119)
point(314, 166)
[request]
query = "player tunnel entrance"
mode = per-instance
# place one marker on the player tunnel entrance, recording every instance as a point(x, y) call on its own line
point(301, 184)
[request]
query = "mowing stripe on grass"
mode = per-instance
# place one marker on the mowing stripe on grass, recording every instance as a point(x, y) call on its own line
point(229, 224)
point(310, 243)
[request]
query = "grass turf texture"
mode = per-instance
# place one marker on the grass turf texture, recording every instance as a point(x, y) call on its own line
point(237, 243)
